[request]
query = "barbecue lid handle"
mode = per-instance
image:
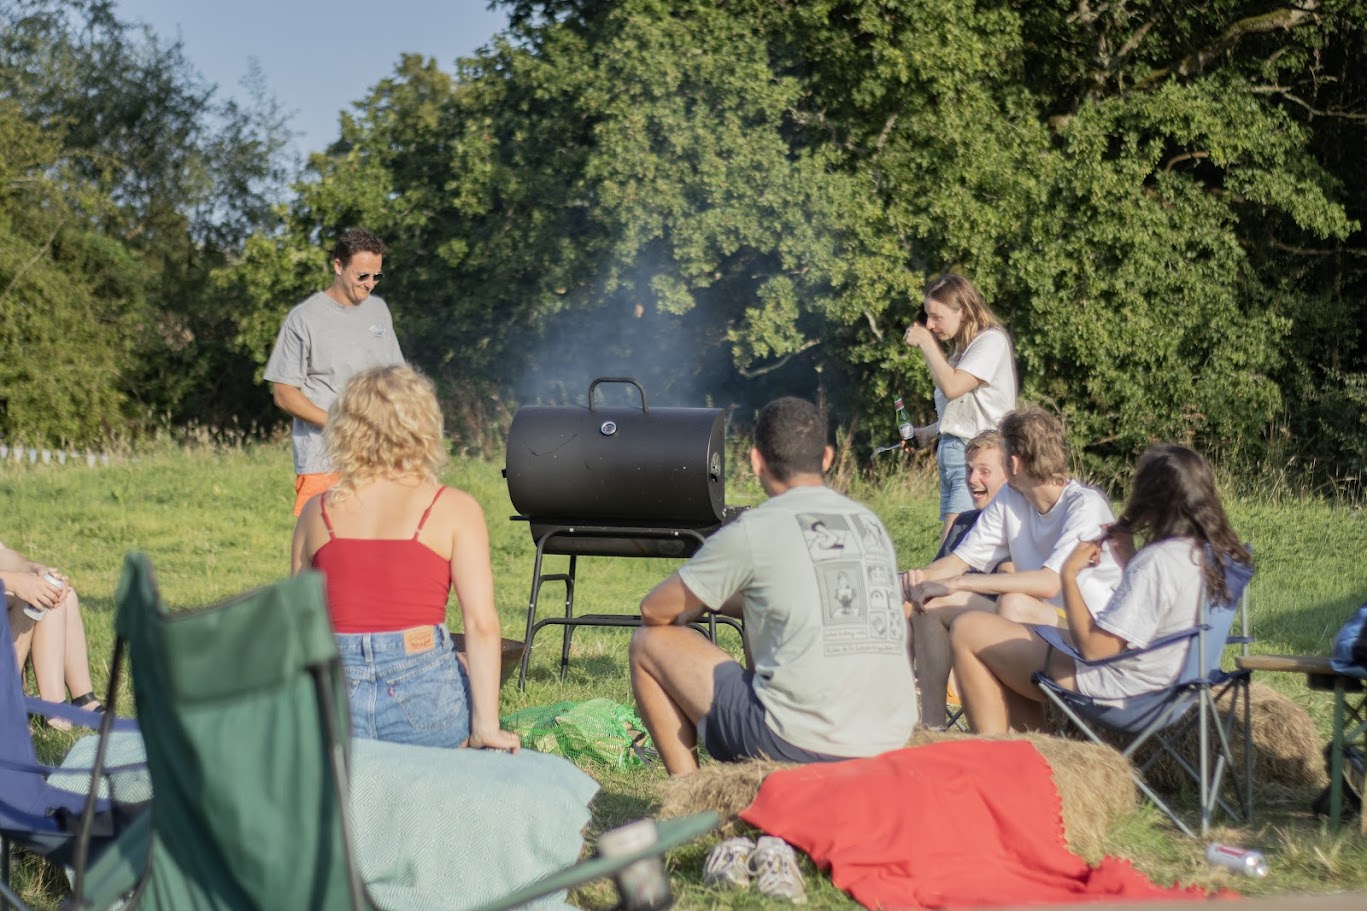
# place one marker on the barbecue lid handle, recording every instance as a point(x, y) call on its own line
point(618, 379)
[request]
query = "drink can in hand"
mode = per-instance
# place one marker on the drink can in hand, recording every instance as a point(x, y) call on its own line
point(1241, 860)
point(38, 613)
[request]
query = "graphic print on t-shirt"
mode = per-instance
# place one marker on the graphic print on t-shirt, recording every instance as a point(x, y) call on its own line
point(857, 585)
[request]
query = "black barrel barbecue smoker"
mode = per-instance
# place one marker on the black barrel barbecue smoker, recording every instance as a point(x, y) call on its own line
point(613, 481)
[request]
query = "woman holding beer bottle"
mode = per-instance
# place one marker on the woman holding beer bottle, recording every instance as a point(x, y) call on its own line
point(975, 382)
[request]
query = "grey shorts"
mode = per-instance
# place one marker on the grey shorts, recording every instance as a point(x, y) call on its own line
point(734, 728)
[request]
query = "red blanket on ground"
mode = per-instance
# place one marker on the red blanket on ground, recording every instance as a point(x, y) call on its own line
point(956, 824)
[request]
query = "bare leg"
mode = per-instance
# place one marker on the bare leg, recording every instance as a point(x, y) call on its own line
point(60, 659)
point(77, 666)
point(671, 678)
point(995, 659)
point(932, 654)
point(21, 629)
point(1026, 609)
point(49, 654)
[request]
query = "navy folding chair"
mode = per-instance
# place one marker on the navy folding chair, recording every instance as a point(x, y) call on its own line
point(34, 814)
point(1161, 721)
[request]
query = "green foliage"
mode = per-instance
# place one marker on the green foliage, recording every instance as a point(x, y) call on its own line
point(767, 186)
point(69, 296)
point(731, 201)
point(171, 180)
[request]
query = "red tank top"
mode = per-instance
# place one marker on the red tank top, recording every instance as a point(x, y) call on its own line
point(378, 585)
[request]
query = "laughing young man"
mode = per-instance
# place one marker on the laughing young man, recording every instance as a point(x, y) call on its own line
point(1034, 521)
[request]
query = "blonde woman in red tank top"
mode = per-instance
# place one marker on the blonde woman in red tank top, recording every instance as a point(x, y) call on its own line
point(393, 543)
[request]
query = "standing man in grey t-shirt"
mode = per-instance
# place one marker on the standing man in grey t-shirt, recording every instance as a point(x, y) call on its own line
point(812, 573)
point(323, 343)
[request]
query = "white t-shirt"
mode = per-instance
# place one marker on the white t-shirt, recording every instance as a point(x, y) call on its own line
point(823, 613)
point(1009, 527)
point(1160, 595)
point(988, 357)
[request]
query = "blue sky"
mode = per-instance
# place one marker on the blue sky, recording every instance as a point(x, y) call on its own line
point(317, 57)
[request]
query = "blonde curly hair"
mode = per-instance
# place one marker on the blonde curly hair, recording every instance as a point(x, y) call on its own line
point(385, 424)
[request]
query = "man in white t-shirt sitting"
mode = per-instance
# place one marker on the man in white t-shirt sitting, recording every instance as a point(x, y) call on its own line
point(814, 575)
point(1035, 522)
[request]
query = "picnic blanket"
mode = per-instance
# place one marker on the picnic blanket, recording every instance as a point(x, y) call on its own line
point(436, 829)
point(970, 823)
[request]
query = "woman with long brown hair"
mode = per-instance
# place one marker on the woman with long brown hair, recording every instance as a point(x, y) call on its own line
point(975, 383)
point(1175, 508)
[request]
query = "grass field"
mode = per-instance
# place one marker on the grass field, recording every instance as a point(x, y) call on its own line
point(218, 522)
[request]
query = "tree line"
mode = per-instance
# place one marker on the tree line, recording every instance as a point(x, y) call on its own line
point(1163, 201)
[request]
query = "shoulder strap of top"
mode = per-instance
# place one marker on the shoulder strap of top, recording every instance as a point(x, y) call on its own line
point(323, 505)
point(428, 512)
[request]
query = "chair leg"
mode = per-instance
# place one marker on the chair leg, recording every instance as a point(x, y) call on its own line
point(1248, 740)
point(9, 899)
point(341, 783)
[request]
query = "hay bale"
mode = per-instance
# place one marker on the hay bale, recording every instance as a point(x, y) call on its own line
point(1093, 781)
point(1288, 762)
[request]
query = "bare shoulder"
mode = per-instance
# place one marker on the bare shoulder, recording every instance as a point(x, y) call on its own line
point(458, 507)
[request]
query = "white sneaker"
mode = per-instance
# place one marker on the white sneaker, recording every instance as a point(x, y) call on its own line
point(728, 864)
point(773, 866)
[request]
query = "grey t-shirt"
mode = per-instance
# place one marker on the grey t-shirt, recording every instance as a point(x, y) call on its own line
point(823, 612)
point(323, 344)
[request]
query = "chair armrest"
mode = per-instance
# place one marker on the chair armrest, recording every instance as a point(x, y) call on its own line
point(83, 717)
point(1053, 636)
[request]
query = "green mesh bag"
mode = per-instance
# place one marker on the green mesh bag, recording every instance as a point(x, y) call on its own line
point(597, 732)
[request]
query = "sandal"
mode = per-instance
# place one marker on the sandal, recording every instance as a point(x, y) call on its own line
point(84, 702)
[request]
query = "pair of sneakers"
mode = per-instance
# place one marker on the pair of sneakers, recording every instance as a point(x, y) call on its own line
point(770, 863)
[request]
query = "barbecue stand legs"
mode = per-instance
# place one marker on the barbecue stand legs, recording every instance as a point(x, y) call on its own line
point(569, 621)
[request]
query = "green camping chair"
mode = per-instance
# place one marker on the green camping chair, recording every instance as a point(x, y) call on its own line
point(244, 721)
point(244, 717)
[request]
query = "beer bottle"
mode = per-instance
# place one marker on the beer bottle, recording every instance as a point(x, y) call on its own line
point(905, 428)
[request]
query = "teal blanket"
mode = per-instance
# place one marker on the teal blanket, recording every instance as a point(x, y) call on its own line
point(436, 829)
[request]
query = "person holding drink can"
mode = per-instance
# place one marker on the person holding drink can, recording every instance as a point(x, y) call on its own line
point(975, 383)
point(45, 622)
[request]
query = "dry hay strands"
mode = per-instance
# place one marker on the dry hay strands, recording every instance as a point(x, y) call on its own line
point(1094, 785)
point(1288, 765)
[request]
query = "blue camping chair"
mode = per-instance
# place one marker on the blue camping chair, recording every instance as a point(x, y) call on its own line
point(1161, 720)
point(34, 814)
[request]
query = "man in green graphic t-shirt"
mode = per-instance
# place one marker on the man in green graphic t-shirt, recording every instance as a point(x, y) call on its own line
point(812, 574)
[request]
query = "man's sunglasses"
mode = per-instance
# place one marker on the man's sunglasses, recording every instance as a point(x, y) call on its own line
point(362, 276)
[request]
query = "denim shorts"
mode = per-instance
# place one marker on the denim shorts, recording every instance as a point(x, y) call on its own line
point(422, 698)
point(734, 727)
point(954, 496)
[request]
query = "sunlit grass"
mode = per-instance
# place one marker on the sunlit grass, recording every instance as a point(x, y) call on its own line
point(218, 522)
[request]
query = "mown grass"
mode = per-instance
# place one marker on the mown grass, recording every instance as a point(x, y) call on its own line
point(216, 523)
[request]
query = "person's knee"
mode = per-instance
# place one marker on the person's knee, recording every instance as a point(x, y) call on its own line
point(648, 645)
point(640, 643)
point(970, 631)
point(1020, 608)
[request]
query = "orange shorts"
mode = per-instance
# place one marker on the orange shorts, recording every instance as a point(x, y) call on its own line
point(308, 486)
